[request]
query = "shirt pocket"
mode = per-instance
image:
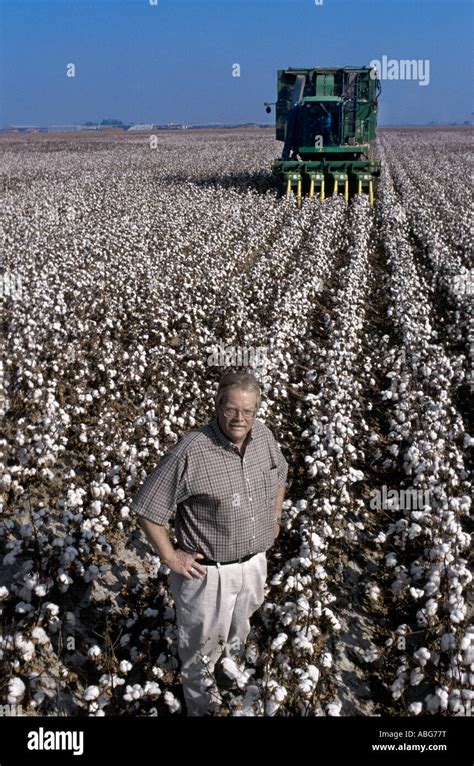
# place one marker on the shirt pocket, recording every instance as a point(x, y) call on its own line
point(270, 478)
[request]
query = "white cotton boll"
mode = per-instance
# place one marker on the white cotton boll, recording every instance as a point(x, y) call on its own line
point(422, 655)
point(41, 591)
point(94, 651)
point(326, 660)
point(443, 696)
point(53, 609)
point(306, 687)
point(416, 593)
point(390, 560)
point(431, 607)
point(4, 593)
point(25, 647)
point(319, 573)
point(65, 580)
point(334, 708)
point(232, 671)
point(156, 671)
point(16, 690)
point(277, 696)
point(40, 636)
point(371, 655)
point(278, 642)
point(414, 531)
point(467, 643)
point(317, 541)
point(173, 704)
point(91, 693)
point(416, 676)
point(125, 666)
point(313, 673)
point(373, 591)
point(132, 693)
point(448, 642)
point(415, 708)
point(432, 704)
point(125, 512)
point(398, 687)
point(152, 689)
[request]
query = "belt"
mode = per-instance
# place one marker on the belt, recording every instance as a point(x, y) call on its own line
point(210, 563)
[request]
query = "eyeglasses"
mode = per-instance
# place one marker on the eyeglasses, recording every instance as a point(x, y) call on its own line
point(231, 412)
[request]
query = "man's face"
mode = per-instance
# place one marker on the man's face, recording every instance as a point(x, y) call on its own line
point(230, 413)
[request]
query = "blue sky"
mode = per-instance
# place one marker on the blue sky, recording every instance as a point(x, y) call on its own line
point(173, 61)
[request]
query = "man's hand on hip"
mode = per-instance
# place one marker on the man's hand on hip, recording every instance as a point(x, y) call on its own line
point(186, 564)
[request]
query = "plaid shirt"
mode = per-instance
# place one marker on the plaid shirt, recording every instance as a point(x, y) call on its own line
point(224, 503)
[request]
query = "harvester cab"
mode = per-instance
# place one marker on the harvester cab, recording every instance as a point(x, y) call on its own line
point(327, 120)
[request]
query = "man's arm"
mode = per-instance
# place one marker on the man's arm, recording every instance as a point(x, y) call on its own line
point(176, 559)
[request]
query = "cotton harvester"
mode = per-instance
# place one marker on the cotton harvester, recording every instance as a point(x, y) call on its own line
point(327, 120)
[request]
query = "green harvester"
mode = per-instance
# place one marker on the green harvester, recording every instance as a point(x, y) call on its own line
point(327, 120)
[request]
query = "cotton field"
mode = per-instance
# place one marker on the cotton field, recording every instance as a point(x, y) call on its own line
point(133, 277)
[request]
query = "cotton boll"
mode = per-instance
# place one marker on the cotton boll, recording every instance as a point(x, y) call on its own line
point(172, 703)
point(16, 690)
point(326, 660)
point(278, 642)
point(422, 655)
point(40, 636)
point(91, 693)
point(416, 676)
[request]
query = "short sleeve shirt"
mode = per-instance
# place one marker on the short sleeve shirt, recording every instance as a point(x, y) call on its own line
point(223, 502)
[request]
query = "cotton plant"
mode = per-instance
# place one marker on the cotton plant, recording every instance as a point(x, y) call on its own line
point(109, 362)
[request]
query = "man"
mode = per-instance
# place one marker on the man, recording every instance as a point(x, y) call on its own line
point(226, 483)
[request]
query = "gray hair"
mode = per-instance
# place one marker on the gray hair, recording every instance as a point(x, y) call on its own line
point(242, 380)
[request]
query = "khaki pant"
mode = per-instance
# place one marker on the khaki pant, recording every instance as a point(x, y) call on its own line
point(212, 616)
